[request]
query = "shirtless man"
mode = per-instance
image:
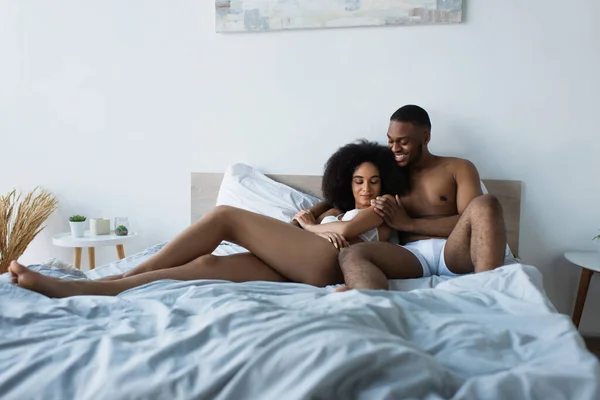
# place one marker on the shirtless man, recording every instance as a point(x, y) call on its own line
point(446, 225)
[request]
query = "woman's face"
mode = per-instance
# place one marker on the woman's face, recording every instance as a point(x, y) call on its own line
point(366, 184)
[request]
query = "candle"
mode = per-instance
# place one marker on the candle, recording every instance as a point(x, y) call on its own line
point(99, 226)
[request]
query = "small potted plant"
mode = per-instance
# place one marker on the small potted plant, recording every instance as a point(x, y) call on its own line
point(121, 226)
point(77, 223)
point(121, 230)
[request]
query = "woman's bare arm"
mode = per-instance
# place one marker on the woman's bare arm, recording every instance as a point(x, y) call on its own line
point(333, 212)
point(363, 222)
point(318, 209)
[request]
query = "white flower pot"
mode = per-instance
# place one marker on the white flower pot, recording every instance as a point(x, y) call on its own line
point(77, 229)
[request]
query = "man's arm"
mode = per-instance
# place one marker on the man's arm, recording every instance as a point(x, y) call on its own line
point(468, 187)
point(316, 210)
point(468, 184)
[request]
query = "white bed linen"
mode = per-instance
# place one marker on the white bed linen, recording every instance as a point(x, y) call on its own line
point(493, 335)
point(247, 188)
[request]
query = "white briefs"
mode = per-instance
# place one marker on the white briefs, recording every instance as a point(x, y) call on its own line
point(430, 253)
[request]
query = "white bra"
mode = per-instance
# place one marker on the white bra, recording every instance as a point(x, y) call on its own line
point(369, 236)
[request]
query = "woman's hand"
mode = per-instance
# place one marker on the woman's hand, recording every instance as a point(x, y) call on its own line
point(338, 241)
point(393, 213)
point(305, 219)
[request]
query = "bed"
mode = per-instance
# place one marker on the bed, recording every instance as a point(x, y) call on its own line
point(493, 335)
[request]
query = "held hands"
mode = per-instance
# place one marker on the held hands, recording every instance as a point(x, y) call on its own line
point(393, 213)
point(305, 218)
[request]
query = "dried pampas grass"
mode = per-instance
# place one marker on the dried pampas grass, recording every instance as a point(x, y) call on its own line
point(21, 221)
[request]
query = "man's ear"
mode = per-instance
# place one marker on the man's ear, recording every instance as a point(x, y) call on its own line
point(426, 137)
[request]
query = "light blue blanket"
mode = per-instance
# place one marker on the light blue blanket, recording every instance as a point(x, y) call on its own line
point(487, 336)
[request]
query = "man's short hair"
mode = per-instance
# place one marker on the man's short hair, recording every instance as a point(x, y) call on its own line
point(413, 114)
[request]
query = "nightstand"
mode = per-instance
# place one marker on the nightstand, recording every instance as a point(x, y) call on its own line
point(91, 242)
point(589, 261)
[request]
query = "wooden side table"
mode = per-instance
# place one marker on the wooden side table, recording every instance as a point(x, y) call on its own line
point(91, 242)
point(589, 261)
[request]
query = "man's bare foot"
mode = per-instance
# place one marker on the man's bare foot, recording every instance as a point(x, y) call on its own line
point(46, 285)
point(342, 289)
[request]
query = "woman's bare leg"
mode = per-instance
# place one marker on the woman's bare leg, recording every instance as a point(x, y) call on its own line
point(111, 278)
point(281, 251)
point(298, 255)
point(236, 268)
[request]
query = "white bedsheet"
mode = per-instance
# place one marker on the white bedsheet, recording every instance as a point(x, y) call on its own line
point(493, 335)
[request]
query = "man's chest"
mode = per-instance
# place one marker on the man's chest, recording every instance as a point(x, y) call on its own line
point(430, 195)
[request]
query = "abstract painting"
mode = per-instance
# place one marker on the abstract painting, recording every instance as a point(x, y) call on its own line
point(270, 15)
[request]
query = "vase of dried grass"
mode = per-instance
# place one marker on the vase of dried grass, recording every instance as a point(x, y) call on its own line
point(21, 219)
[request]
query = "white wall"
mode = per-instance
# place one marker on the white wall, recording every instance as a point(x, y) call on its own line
point(112, 104)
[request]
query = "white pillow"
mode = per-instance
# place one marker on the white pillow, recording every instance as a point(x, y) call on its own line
point(246, 188)
point(508, 254)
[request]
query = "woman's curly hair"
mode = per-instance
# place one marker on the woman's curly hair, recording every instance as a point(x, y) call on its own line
point(339, 170)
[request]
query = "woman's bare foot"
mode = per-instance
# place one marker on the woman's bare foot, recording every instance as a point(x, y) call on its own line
point(342, 289)
point(46, 285)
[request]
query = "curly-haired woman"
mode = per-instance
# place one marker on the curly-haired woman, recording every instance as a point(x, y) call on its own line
point(354, 176)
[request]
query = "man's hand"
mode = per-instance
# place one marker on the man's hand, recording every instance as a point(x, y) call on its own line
point(338, 241)
point(393, 213)
point(305, 218)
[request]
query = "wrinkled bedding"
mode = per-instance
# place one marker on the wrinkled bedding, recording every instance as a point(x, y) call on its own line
point(493, 335)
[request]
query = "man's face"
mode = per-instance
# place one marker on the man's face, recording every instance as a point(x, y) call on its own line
point(406, 142)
